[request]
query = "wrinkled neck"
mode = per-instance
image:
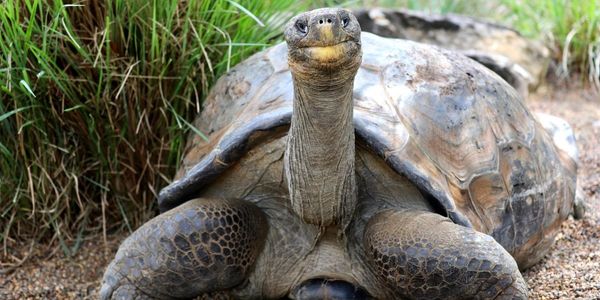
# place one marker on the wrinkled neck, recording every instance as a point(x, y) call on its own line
point(319, 158)
point(323, 113)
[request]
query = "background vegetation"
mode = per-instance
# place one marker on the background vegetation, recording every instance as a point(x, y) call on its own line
point(96, 96)
point(570, 28)
point(96, 99)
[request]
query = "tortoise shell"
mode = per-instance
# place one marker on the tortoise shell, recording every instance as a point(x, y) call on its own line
point(455, 129)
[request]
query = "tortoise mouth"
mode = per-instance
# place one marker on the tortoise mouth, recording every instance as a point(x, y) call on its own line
point(319, 44)
point(329, 53)
point(326, 56)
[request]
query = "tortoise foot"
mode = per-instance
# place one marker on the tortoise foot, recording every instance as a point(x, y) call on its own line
point(422, 255)
point(119, 288)
point(200, 247)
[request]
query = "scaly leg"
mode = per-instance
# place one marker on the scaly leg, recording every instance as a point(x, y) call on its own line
point(423, 255)
point(200, 247)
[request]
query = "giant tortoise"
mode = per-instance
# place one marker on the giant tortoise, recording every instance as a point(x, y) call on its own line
point(342, 165)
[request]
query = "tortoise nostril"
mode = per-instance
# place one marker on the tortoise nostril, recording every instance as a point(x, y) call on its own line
point(326, 19)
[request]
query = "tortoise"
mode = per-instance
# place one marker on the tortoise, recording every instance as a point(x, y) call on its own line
point(341, 165)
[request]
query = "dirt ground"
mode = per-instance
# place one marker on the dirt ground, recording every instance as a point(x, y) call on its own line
point(570, 271)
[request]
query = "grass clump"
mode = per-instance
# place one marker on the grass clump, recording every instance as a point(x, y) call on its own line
point(94, 98)
point(466, 7)
point(571, 28)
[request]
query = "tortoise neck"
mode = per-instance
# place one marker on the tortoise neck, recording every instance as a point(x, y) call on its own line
point(319, 158)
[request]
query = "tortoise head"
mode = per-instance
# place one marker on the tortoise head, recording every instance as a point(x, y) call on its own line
point(324, 42)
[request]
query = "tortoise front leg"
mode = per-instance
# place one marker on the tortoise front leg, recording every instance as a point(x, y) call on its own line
point(200, 247)
point(423, 255)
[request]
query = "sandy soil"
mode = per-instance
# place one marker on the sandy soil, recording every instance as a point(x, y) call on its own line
point(570, 271)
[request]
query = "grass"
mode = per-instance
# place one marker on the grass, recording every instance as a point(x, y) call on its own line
point(96, 96)
point(467, 7)
point(94, 102)
point(570, 28)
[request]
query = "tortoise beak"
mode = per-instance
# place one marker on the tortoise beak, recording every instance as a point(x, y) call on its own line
point(328, 53)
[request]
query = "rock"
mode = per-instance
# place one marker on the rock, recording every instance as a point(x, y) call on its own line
point(510, 71)
point(521, 62)
point(580, 206)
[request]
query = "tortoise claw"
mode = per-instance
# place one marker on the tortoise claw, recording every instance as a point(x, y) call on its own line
point(113, 288)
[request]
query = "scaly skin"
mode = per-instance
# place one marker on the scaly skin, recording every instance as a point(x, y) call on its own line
point(426, 256)
point(202, 246)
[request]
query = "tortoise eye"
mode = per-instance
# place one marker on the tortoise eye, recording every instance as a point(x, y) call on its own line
point(301, 27)
point(345, 21)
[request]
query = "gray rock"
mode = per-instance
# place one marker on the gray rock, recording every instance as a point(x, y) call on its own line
point(521, 62)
